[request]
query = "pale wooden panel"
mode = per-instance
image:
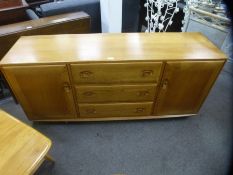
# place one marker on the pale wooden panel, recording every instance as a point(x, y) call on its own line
point(185, 85)
point(107, 73)
point(148, 117)
point(112, 47)
point(22, 149)
point(115, 109)
point(83, 119)
point(43, 91)
point(115, 93)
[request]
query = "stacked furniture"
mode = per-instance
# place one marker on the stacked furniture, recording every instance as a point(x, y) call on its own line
point(112, 76)
point(12, 11)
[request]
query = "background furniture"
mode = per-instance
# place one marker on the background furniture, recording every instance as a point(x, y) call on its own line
point(12, 11)
point(215, 27)
point(70, 23)
point(23, 149)
point(112, 76)
point(92, 7)
point(130, 15)
point(130, 11)
point(34, 3)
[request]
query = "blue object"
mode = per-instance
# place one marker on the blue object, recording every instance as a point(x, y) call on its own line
point(92, 7)
point(31, 14)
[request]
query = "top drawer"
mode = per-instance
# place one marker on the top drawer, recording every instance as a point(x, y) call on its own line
point(107, 73)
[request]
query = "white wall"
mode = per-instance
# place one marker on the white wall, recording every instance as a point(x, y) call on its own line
point(111, 16)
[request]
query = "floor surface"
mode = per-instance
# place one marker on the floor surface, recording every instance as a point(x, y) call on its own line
point(200, 145)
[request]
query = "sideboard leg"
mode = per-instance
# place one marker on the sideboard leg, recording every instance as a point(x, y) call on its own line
point(49, 158)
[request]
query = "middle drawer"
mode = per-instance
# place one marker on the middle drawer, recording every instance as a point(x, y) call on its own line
point(115, 93)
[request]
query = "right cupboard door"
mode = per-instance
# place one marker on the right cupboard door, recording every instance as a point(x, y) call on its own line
point(185, 85)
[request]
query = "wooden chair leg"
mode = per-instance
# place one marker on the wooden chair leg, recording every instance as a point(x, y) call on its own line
point(49, 158)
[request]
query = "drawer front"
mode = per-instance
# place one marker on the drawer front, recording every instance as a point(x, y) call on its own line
point(115, 109)
point(107, 73)
point(115, 93)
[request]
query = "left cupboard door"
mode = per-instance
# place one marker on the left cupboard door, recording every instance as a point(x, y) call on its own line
point(44, 91)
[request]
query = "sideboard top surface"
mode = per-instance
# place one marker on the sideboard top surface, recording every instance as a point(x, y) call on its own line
point(111, 47)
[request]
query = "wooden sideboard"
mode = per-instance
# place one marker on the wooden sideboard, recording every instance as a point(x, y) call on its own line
point(112, 76)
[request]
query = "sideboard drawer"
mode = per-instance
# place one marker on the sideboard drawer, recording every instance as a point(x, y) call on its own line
point(115, 109)
point(107, 73)
point(115, 93)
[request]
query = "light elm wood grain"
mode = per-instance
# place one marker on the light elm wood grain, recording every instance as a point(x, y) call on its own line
point(118, 73)
point(112, 76)
point(185, 85)
point(22, 148)
point(116, 93)
point(112, 47)
point(43, 91)
point(115, 109)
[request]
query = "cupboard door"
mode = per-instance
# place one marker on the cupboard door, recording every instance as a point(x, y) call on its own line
point(185, 85)
point(43, 91)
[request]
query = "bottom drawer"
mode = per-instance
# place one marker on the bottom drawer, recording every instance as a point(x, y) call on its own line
point(115, 109)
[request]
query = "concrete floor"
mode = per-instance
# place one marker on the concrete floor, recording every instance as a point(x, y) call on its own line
point(200, 145)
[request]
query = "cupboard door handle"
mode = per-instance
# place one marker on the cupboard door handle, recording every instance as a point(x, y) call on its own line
point(66, 87)
point(143, 93)
point(90, 111)
point(165, 84)
point(88, 93)
point(147, 73)
point(85, 74)
point(140, 110)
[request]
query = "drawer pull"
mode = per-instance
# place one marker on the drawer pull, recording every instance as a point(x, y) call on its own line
point(66, 87)
point(88, 93)
point(143, 93)
point(85, 74)
point(146, 73)
point(140, 110)
point(91, 111)
point(165, 84)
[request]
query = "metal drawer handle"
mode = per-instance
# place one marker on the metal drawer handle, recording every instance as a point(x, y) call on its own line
point(143, 93)
point(85, 74)
point(146, 73)
point(88, 93)
point(140, 110)
point(90, 111)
